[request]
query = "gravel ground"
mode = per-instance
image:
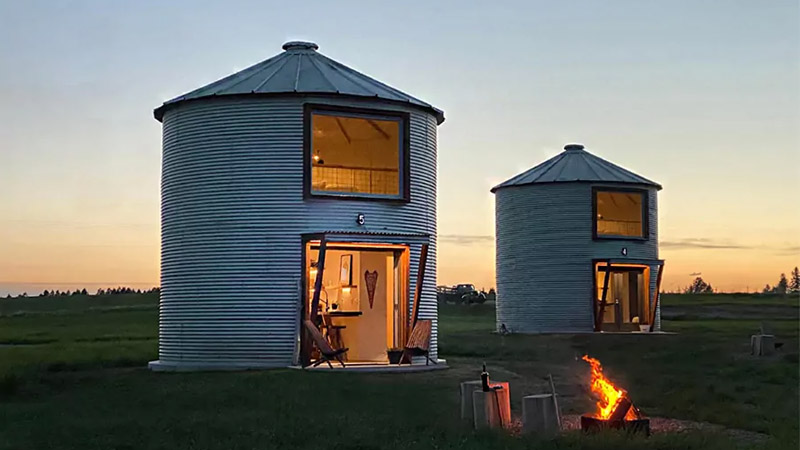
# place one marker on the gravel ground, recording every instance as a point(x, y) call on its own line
point(572, 422)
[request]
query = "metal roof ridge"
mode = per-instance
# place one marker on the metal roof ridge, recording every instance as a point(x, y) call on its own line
point(555, 160)
point(586, 157)
point(250, 72)
point(322, 73)
point(397, 92)
point(515, 179)
point(297, 72)
point(563, 166)
point(274, 72)
point(255, 72)
point(349, 73)
point(625, 171)
point(369, 79)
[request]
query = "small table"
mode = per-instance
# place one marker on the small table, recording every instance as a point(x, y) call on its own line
point(343, 313)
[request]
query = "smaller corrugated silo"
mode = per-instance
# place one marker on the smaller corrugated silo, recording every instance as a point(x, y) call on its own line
point(577, 247)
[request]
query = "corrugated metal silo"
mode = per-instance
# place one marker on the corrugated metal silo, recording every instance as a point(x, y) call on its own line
point(242, 221)
point(577, 247)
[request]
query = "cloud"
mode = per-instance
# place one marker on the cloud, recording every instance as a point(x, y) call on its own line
point(792, 250)
point(701, 243)
point(676, 244)
point(465, 239)
point(724, 244)
point(695, 274)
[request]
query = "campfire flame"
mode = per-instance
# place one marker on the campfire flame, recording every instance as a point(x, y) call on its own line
point(608, 394)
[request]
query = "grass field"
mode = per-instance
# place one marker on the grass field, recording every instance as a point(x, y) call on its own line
point(72, 376)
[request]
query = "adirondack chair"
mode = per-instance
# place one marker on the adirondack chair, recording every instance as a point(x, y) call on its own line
point(418, 342)
point(326, 352)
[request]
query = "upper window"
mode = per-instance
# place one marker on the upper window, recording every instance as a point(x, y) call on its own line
point(620, 213)
point(355, 153)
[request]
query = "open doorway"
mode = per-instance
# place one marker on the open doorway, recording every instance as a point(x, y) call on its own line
point(363, 299)
point(621, 297)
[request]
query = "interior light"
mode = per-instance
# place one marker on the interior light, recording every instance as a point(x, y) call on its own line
point(346, 290)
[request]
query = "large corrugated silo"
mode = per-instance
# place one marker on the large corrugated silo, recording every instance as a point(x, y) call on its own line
point(261, 171)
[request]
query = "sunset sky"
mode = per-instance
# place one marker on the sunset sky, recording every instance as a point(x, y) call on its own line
point(702, 97)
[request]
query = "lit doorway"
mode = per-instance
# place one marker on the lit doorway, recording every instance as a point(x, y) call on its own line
point(621, 297)
point(363, 299)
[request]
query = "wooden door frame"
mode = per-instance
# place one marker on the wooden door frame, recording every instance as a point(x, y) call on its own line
point(625, 265)
point(334, 244)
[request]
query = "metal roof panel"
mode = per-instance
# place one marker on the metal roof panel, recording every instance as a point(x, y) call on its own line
point(300, 69)
point(575, 164)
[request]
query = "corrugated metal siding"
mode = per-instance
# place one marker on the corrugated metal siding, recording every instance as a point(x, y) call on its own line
point(545, 252)
point(232, 217)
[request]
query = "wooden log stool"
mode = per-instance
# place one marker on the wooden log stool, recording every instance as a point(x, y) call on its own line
point(492, 409)
point(539, 415)
point(467, 388)
point(762, 344)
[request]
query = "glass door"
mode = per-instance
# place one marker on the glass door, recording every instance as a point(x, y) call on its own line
point(626, 306)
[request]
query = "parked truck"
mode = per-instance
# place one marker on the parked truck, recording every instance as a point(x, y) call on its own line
point(460, 294)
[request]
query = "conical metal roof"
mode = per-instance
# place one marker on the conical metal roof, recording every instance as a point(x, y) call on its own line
point(300, 69)
point(575, 164)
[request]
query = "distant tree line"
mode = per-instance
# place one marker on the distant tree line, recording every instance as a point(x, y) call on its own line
point(699, 286)
point(127, 290)
point(101, 291)
point(57, 293)
point(785, 286)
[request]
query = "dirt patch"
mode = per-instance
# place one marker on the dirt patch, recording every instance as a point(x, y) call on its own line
point(667, 425)
point(658, 425)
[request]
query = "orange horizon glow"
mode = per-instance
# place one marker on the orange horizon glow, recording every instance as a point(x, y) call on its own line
point(107, 257)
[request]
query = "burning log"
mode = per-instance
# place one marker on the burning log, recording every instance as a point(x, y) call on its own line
point(615, 410)
point(621, 409)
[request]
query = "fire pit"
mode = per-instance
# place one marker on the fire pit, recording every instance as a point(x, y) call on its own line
point(615, 410)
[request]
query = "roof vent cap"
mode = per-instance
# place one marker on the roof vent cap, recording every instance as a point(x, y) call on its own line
point(573, 147)
point(300, 45)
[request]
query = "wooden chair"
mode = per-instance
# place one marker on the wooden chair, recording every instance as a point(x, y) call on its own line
point(327, 353)
point(333, 333)
point(419, 342)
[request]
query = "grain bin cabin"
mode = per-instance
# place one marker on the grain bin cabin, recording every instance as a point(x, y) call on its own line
point(296, 189)
point(577, 248)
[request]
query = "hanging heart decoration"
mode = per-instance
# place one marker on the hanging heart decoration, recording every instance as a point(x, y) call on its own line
point(372, 280)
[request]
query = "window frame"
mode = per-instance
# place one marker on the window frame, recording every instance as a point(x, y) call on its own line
point(404, 177)
point(645, 214)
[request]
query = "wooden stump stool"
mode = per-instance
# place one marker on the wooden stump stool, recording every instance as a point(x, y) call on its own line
point(467, 388)
point(492, 409)
point(539, 415)
point(762, 344)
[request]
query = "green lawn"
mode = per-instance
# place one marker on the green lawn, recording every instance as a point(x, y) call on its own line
point(72, 376)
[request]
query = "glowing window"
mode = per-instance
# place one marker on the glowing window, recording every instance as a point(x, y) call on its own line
point(620, 213)
point(354, 154)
